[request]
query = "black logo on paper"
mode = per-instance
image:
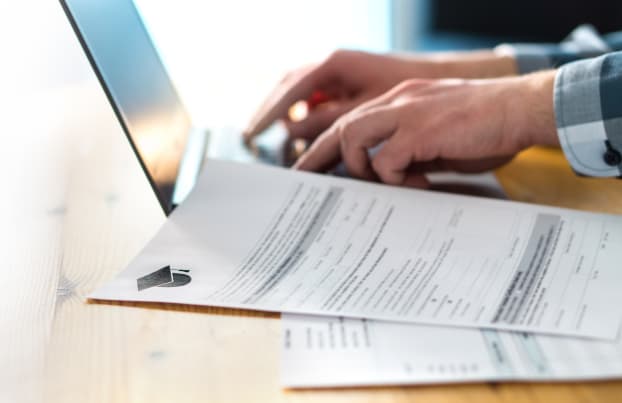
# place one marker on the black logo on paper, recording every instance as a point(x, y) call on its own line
point(164, 277)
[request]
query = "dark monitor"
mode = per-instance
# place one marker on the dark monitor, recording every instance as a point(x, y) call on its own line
point(137, 85)
point(525, 20)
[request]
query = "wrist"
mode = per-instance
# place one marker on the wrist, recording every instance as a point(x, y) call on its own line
point(535, 109)
point(540, 103)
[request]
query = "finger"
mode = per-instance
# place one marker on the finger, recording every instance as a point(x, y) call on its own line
point(418, 181)
point(384, 98)
point(393, 159)
point(322, 117)
point(297, 86)
point(361, 131)
point(328, 146)
point(322, 155)
point(319, 119)
point(397, 164)
point(325, 151)
point(414, 175)
point(393, 164)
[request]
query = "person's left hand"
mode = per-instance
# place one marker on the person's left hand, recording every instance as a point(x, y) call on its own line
point(433, 125)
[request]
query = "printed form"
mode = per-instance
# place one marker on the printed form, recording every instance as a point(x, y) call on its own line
point(324, 352)
point(266, 238)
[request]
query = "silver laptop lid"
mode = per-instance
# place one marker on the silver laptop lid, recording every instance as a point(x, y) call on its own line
point(137, 85)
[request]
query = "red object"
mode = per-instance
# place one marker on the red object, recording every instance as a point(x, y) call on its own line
point(317, 98)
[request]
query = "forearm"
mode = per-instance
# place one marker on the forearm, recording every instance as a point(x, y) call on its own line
point(514, 59)
point(469, 65)
point(582, 43)
point(475, 64)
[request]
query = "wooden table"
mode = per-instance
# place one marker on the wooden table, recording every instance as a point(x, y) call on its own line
point(77, 207)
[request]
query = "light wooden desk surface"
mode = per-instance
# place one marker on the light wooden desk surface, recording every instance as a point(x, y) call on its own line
point(76, 208)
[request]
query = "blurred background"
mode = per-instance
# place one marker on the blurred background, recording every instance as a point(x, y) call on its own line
point(224, 56)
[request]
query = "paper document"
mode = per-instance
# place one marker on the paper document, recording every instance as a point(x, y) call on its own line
point(324, 352)
point(266, 238)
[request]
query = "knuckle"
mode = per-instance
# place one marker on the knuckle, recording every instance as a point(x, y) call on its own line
point(419, 150)
point(344, 130)
point(350, 135)
point(410, 115)
point(337, 57)
point(335, 54)
point(401, 87)
point(411, 84)
point(405, 103)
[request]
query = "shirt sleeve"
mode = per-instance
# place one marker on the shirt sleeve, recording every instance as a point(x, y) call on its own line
point(588, 112)
point(614, 40)
point(582, 43)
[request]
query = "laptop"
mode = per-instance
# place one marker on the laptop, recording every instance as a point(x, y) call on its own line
point(170, 149)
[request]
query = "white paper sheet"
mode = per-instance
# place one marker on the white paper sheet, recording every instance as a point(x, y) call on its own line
point(323, 352)
point(266, 238)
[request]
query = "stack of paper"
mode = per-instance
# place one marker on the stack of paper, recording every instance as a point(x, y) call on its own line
point(323, 351)
point(266, 238)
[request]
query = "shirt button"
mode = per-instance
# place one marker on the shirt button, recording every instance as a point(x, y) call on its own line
point(612, 156)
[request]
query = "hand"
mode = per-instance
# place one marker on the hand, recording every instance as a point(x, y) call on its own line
point(347, 79)
point(432, 125)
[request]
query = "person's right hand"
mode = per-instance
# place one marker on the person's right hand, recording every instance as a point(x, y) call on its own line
point(424, 126)
point(347, 79)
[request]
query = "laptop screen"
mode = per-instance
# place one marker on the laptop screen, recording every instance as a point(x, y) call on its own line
point(137, 85)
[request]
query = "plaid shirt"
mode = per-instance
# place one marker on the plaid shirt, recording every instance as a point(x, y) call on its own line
point(588, 96)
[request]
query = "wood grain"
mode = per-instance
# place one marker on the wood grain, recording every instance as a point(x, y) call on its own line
point(83, 209)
